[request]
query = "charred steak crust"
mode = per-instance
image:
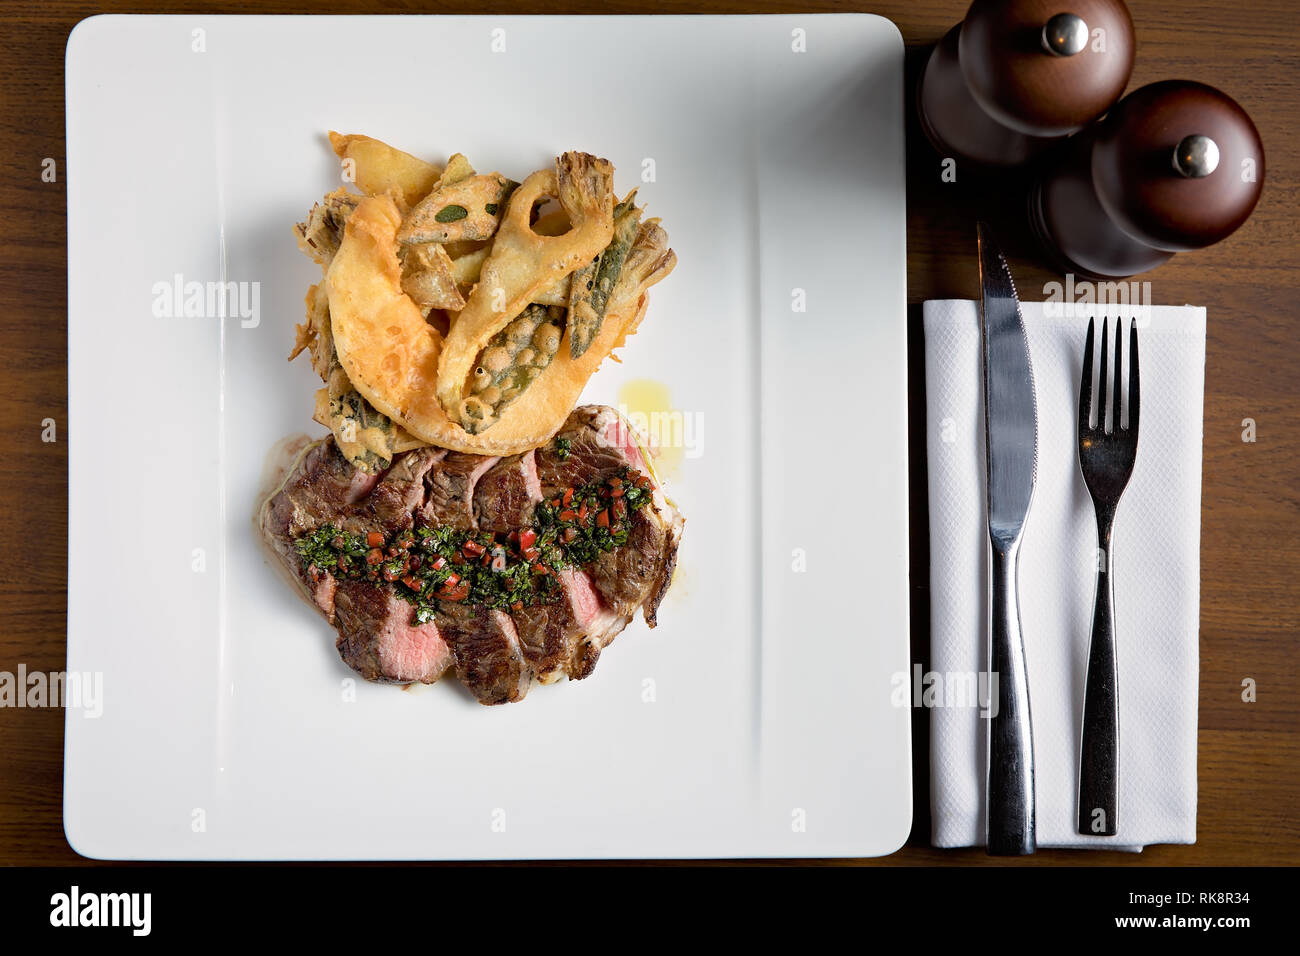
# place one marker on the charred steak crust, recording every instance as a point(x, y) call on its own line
point(496, 654)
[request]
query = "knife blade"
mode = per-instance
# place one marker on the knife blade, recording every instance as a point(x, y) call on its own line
point(1011, 441)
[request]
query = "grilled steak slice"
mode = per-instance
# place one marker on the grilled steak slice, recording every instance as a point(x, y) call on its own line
point(597, 444)
point(393, 500)
point(450, 487)
point(378, 641)
point(376, 637)
point(484, 644)
point(496, 651)
point(598, 624)
point(504, 497)
point(488, 657)
point(563, 636)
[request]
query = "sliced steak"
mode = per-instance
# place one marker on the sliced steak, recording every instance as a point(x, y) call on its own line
point(598, 625)
point(394, 499)
point(484, 644)
point(376, 637)
point(553, 634)
point(600, 444)
point(488, 657)
point(450, 490)
point(504, 497)
point(496, 654)
point(378, 640)
point(320, 488)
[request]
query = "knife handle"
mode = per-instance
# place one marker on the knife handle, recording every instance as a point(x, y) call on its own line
point(1099, 742)
point(1009, 797)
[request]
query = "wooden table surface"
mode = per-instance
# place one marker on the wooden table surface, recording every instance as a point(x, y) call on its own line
point(1249, 754)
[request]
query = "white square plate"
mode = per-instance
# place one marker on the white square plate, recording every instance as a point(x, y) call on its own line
point(755, 720)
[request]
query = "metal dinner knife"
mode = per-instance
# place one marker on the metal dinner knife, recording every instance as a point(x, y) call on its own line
point(1011, 440)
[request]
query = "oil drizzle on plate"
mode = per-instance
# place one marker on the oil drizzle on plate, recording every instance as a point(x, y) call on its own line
point(648, 405)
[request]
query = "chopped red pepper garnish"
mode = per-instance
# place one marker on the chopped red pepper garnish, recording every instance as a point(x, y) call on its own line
point(390, 574)
point(374, 539)
point(619, 507)
point(439, 563)
point(568, 496)
point(569, 534)
point(517, 606)
point(452, 580)
point(458, 557)
point(455, 594)
point(527, 539)
point(616, 482)
point(616, 492)
point(567, 515)
point(473, 548)
point(602, 520)
point(374, 556)
point(582, 513)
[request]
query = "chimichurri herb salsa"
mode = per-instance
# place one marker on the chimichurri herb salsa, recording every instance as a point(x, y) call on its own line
point(430, 565)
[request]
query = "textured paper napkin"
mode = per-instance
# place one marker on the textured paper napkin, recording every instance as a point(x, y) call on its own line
point(1156, 553)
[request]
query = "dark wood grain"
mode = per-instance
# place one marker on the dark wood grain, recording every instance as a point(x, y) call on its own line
point(1249, 770)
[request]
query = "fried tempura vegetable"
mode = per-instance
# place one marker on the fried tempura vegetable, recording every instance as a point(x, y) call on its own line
point(379, 167)
point(468, 267)
point(591, 285)
point(466, 209)
point(391, 354)
point(513, 358)
point(319, 236)
point(523, 264)
point(367, 438)
point(428, 277)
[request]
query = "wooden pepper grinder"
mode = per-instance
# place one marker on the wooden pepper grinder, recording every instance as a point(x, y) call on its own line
point(1017, 75)
point(1174, 166)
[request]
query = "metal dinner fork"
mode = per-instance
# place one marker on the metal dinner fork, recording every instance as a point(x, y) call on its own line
point(1106, 459)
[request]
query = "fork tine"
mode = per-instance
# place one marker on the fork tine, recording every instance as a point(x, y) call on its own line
point(1101, 376)
point(1119, 373)
point(1134, 390)
point(1085, 384)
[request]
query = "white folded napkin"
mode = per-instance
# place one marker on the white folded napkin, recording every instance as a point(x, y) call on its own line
point(1156, 553)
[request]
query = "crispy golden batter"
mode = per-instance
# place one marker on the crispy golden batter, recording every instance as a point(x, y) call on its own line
point(378, 167)
point(429, 277)
point(450, 313)
point(467, 209)
point(523, 264)
point(390, 353)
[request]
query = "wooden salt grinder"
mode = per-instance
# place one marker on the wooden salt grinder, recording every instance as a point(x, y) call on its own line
point(1017, 75)
point(1176, 165)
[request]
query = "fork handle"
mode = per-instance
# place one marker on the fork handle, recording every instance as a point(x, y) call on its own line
point(1099, 744)
point(1009, 798)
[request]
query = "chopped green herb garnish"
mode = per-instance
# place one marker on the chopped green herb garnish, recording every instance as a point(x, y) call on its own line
point(432, 566)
